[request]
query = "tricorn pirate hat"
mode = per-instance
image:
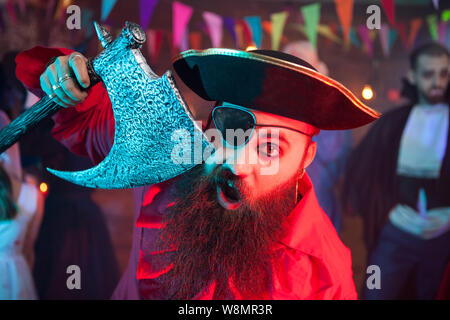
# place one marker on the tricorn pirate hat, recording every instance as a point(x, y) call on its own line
point(273, 82)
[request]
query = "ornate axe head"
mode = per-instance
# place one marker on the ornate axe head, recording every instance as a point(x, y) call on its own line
point(156, 137)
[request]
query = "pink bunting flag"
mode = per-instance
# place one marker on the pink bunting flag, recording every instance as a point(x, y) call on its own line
point(214, 23)
point(364, 33)
point(184, 44)
point(181, 15)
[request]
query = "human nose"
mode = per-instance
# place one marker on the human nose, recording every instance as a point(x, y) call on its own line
point(237, 161)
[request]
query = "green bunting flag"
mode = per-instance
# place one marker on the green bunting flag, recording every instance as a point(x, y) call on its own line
point(311, 16)
point(278, 21)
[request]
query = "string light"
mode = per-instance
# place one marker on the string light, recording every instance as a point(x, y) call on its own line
point(367, 92)
point(43, 187)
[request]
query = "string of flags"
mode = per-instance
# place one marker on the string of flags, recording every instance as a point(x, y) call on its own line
point(250, 30)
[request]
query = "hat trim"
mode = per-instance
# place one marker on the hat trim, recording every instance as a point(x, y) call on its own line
point(285, 64)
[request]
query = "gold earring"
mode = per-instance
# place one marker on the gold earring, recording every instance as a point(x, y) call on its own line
point(296, 185)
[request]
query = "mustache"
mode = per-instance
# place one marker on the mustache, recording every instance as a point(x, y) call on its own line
point(231, 184)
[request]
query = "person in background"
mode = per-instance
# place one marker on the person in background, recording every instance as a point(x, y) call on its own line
point(333, 146)
point(398, 179)
point(73, 230)
point(21, 209)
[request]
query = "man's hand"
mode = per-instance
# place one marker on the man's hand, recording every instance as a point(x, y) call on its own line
point(64, 79)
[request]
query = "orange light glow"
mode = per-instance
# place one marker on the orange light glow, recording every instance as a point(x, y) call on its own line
point(367, 92)
point(43, 187)
point(251, 47)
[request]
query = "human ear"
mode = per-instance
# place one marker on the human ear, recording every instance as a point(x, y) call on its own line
point(310, 154)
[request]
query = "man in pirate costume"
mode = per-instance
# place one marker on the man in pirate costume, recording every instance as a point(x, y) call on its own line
point(398, 179)
point(226, 229)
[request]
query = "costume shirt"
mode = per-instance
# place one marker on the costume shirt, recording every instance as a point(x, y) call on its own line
point(312, 261)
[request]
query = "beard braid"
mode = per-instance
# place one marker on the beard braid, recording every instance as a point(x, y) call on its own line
point(213, 243)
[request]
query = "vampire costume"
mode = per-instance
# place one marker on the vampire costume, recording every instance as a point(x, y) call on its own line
point(395, 168)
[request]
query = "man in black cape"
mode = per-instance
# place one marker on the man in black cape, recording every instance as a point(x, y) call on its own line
point(398, 179)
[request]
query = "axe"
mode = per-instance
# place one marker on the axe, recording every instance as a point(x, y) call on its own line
point(156, 137)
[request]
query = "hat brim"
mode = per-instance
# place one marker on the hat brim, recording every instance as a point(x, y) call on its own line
point(272, 85)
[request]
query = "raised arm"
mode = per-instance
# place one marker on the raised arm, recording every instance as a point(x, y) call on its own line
point(86, 124)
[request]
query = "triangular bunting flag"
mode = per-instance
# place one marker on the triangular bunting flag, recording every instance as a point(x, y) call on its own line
point(247, 33)
point(239, 35)
point(195, 39)
point(436, 4)
point(413, 31)
point(184, 43)
point(364, 33)
point(229, 25)
point(254, 23)
point(344, 9)
point(432, 21)
point(445, 15)
point(392, 37)
point(181, 14)
point(311, 15)
point(107, 6)
point(214, 23)
point(325, 31)
point(389, 8)
point(275, 28)
point(146, 8)
point(354, 38)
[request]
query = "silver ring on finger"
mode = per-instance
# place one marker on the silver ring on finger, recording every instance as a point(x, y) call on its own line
point(64, 78)
point(55, 87)
point(73, 56)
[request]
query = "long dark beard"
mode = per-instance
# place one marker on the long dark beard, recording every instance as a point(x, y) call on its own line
point(215, 244)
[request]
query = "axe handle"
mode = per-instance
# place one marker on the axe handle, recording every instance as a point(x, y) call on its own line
point(18, 127)
point(42, 109)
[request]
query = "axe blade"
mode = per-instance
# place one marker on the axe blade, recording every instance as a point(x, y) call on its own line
point(152, 122)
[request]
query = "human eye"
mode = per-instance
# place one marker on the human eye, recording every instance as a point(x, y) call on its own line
point(269, 150)
point(427, 74)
